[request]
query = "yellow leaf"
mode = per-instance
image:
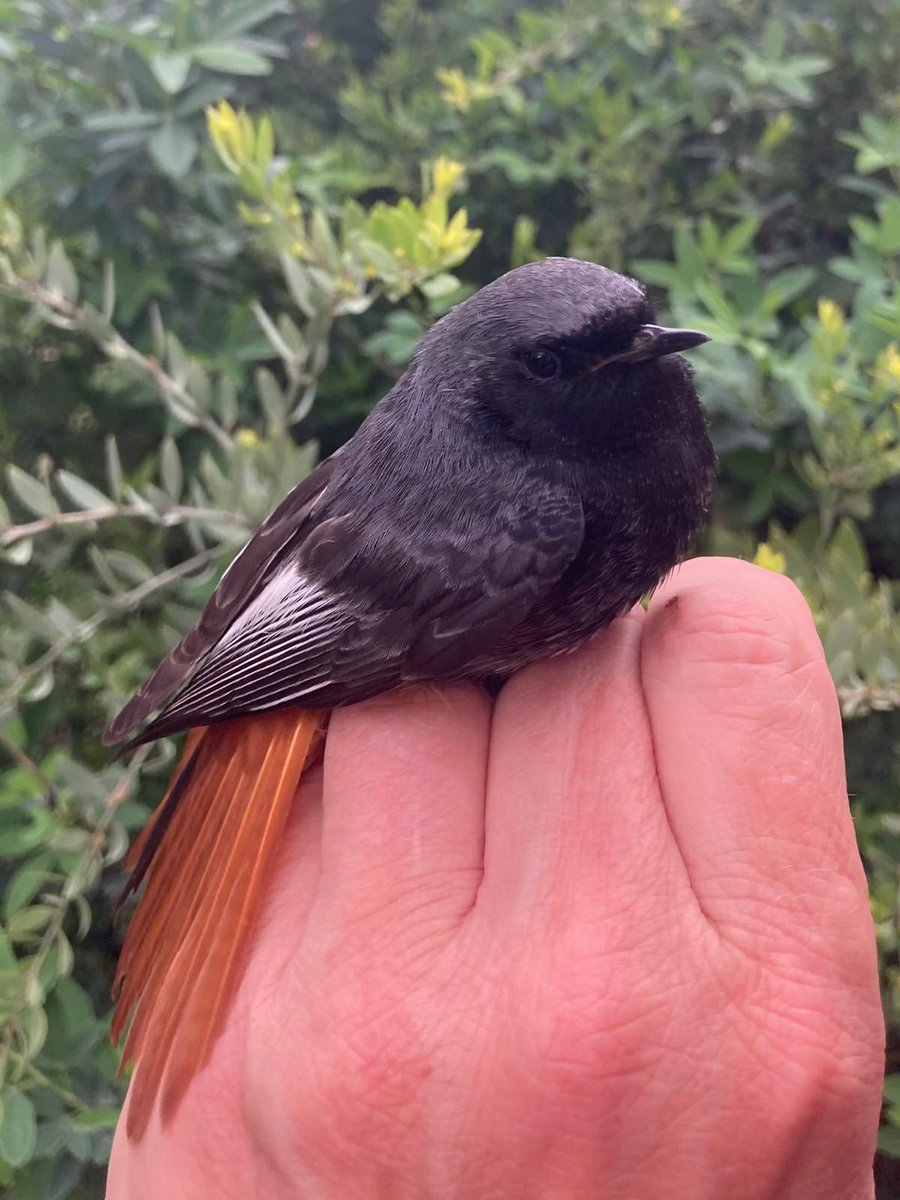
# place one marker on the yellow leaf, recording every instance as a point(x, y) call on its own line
point(446, 174)
point(457, 89)
point(831, 318)
point(772, 560)
point(888, 361)
point(222, 123)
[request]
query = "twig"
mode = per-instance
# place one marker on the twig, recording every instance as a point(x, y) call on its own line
point(73, 888)
point(18, 755)
point(67, 315)
point(93, 850)
point(34, 1073)
point(124, 602)
point(175, 515)
point(856, 701)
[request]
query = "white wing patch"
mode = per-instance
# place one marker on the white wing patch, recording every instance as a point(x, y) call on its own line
point(286, 634)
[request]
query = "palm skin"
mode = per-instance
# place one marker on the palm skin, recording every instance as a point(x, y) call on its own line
point(607, 937)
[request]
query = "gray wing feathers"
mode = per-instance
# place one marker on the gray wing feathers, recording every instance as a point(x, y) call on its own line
point(358, 602)
point(285, 637)
point(238, 585)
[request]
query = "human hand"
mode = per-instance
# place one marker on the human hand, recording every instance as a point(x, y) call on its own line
point(605, 938)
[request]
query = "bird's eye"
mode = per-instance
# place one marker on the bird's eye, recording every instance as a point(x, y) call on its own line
point(541, 364)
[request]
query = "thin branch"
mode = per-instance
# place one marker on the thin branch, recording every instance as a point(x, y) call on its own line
point(37, 1076)
point(124, 602)
point(71, 890)
point(19, 756)
point(176, 515)
point(858, 701)
point(67, 315)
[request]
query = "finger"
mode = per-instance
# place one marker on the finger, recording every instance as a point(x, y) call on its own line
point(574, 818)
point(404, 802)
point(748, 740)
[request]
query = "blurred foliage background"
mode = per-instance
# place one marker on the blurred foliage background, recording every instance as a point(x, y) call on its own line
point(223, 226)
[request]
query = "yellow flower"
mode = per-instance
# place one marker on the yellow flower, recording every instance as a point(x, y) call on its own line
point(771, 559)
point(225, 131)
point(221, 119)
point(446, 173)
point(831, 318)
point(889, 361)
point(247, 439)
point(457, 89)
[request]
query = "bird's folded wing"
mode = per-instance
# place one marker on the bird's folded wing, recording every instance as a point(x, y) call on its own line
point(245, 576)
point(352, 614)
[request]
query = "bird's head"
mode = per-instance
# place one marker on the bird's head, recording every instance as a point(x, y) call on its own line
point(560, 353)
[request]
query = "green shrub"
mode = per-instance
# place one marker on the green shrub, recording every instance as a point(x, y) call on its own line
point(224, 226)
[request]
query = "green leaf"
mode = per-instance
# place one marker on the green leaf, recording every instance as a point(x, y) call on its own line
point(120, 32)
point(739, 237)
point(170, 469)
point(440, 285)
point(33, 831)
point(8, 959)
point(848, 550)
point(33, 1021)
point(208, 90)
point(93, 1119)
point(272, 397)
point(785, 287)
point(26, 882)
point(109, 290)
point(171, 70)
point(80, 492)
point(243, 15)
point(132, 570)
point(36, 496)
point(323, 239)
point(27, 922)
point(113, 122)
point(39, 689)
point(37, 623)
point(18, 1130)
point(297, 278)
point(174, 148)
point(687, 252)
point(60, 275)
point(13, 160)
point(72, 1019)
point(889, 1141)
point(270, 329)
point(113, 467)
point(715, 300)
point(265, 144)
point(231, 59)
point(841, 636)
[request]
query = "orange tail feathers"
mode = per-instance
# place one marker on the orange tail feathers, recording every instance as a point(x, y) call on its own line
point(204, 855)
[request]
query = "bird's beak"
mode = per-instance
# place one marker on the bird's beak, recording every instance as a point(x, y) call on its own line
point(655, 341)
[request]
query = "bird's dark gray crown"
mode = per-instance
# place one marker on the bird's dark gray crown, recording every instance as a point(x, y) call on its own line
point(554, 301)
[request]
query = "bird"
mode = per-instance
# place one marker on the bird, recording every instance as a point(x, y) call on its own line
point(540, 466)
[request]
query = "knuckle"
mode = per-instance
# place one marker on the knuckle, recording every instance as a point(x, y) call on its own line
point(349, 1090)
point(593, 1024)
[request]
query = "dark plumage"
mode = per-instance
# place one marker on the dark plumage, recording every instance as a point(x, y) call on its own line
point(543, 462)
